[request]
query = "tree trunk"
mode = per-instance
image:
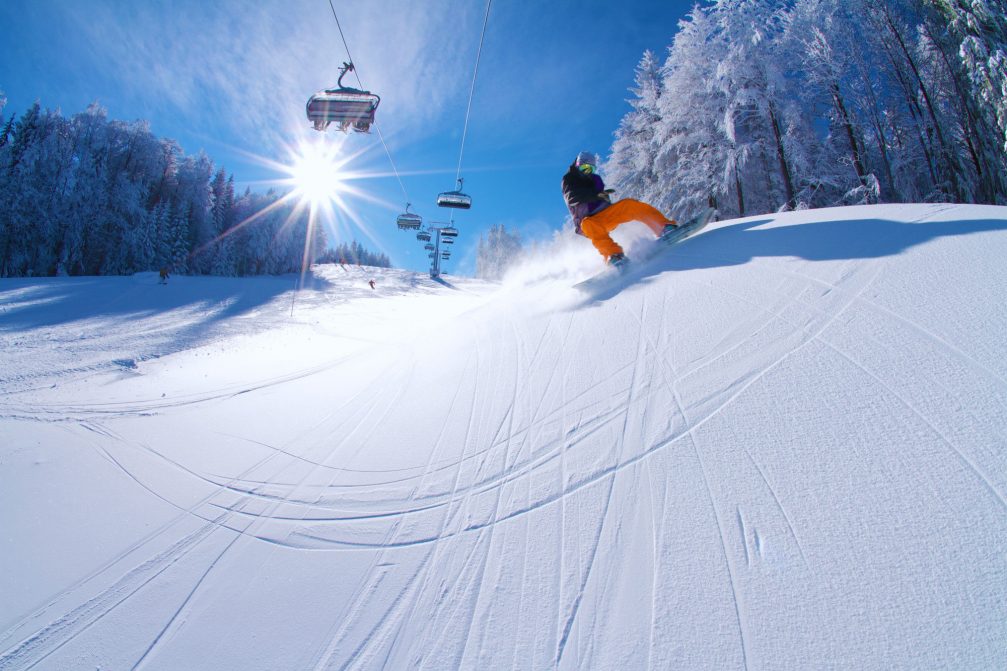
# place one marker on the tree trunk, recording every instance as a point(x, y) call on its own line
point(788, 183)
point(767, 172)
point(858, 163)
point(741, 193)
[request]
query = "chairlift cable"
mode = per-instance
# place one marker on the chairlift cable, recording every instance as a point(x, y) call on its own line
point(472, 88)
point(346, 46)
point(389, 154)
point(377, 126)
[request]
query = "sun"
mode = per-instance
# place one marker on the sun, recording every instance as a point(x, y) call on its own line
point(316, 173)
point(318, 179)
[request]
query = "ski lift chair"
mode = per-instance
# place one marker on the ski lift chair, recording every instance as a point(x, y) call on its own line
point(344, 106)
point(449, 233)
point(409, 221)
point(455, 199)
point(423, 236)
point(429, 246)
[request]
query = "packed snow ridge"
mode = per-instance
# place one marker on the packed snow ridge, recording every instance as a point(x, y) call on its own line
point(781, 446)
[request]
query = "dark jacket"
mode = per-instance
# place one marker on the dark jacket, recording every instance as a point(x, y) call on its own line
point(582, 194)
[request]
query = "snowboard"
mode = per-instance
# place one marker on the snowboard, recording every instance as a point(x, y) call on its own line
point(683, 231)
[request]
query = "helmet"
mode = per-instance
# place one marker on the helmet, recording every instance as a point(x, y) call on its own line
point(587, 157)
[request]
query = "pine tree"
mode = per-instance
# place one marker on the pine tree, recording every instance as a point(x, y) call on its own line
point(7, 131)
point(982, 27)
point(497, 251)
point(631, 167)
point(178, 242)
point(979, 31)
point(694, 148)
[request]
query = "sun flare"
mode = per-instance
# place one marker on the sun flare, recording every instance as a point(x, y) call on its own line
point(320, 182)
point(316, 173)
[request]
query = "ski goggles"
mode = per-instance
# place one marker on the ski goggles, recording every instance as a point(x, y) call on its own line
point(586, 168)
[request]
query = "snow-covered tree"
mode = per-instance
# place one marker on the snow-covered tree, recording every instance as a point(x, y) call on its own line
point(8, 128)
point(821, 44)
point(976, 32)
point(498, 249)
point(632, 165)
point(760, 100)
point(221, 215)
point(981, 25)
point(693, 150)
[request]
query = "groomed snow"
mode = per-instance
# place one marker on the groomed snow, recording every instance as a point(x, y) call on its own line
point(783, 447)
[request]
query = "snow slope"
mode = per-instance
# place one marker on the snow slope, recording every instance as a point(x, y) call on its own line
point(782, 448)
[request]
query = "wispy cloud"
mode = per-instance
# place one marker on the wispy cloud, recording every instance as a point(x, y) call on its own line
point(252, 66)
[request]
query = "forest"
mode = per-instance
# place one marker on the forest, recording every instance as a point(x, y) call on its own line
point(354, 254)
point(88, 195)
point(761, 106)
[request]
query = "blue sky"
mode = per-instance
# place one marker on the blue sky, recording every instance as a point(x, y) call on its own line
point(231, 77)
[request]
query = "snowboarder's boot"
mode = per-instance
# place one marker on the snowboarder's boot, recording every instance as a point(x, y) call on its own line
point(618, 261)
point(668, 231)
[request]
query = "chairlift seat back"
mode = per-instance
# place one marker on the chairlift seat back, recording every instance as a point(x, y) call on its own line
point(454, 199)
point(407, 221)
point(346, 107)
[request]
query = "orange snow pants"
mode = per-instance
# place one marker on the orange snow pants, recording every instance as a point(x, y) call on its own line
point(598, 226)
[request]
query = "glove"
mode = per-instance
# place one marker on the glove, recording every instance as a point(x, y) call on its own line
point(606, 195)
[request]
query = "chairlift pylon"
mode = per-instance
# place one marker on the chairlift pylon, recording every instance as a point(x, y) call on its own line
point(455, 199)
point(343, 105)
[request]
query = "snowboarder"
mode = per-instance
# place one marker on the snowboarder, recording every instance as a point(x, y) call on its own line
point(165, 274)
point(594, 213)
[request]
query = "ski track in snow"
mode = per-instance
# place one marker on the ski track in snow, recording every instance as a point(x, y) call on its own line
point(489, 509)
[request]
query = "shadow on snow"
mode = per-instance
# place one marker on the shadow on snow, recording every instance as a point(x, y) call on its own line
point(39, 303)
point(813, 241)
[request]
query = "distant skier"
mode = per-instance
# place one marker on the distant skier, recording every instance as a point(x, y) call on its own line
point(594, 213)
point(165, 274)
point(371, 282)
